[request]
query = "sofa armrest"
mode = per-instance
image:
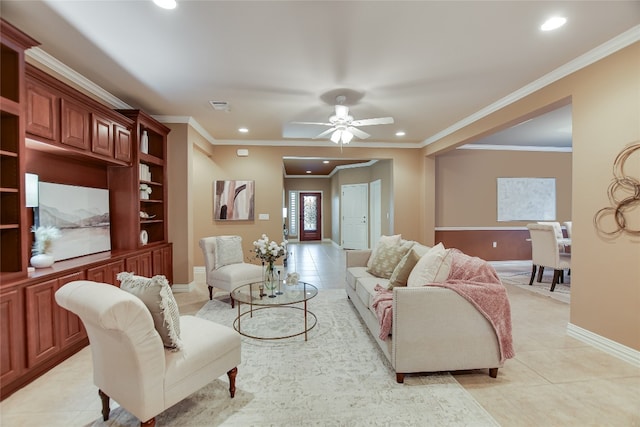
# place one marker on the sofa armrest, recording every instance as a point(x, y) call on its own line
point(434, 324)
point(358, 257)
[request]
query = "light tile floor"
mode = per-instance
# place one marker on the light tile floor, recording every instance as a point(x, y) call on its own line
point(554, 380)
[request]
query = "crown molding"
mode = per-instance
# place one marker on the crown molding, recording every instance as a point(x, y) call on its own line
point(619, 42)
point(490, 147)
point(41, 57)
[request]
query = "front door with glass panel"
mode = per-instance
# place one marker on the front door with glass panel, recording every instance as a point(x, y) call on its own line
point(310, 216)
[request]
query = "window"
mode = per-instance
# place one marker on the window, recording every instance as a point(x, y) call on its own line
point(293, 213)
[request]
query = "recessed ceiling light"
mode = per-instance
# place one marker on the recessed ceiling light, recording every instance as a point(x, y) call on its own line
point(553, 23)
point(243, 130)
point(308, 171)
point(400, 133)
point(166, 4)
point(325, 161)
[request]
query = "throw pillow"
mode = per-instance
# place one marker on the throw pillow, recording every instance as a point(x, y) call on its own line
point(156, 294)
point(387, 258)
point(228, 251)
point(428, 269)
point(403, 269)
point(394, 240)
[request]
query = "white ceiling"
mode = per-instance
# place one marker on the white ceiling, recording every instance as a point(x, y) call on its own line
point(428, 64)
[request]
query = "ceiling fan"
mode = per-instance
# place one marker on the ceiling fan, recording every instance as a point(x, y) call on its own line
point(343, 127)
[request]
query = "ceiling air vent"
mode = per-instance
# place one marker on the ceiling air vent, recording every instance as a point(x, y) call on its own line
point(220, 105)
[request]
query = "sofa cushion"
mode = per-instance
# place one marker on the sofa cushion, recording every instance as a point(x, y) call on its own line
point(401, 273)
point(228, 251)
point(387, 257)
point(433, 267)
point(354, 273)
point(395, 239)
point(156, 294)
point(365, 289)
point(421, 249)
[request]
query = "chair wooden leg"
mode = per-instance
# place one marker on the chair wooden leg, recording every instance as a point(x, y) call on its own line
point(105, 405)
point(493, 372)
point(399, 378)
point(533, 274)
point(232, 381)
point(233, 303)
point(540, 273)
point(210, 292)
point(556, 277)
point(148, 423)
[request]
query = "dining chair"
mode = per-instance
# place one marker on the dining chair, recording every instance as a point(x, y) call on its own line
point(563, 243)
point(567, 226)
point(545, 252)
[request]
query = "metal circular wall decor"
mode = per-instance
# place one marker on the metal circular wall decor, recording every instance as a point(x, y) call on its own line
point(624, 195)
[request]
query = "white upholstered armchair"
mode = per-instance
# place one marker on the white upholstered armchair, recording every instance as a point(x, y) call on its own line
point(225, 266)
point(130, 362)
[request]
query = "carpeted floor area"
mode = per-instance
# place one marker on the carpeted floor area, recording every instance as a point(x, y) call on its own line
point(337, 378)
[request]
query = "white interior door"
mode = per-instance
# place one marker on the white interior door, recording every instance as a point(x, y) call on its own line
point(375, 209)
point(355, 223)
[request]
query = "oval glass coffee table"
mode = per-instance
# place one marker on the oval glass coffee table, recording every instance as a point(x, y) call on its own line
point(288, 296)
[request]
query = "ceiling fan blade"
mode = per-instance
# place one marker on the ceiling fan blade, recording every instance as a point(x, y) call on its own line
point(369, 122)
point(325, 133)
point(311, 123)
point(357, 132)
point(342, 111)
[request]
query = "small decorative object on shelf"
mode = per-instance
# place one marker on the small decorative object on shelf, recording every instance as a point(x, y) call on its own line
point(268, 253)
point(44, 237)
point(144, 142)
point(145, 190)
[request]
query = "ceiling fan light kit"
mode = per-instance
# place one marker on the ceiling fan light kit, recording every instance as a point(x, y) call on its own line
point(343, 127)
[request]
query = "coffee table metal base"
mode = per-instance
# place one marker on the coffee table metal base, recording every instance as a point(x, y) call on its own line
point(310, 321)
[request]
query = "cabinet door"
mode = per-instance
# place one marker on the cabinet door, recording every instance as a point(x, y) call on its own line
point(122, 143)
point(74, 130)
point(167, 255)
point(71, 327)
point(42, 112)
point(42, 322)
point(106, 273)
point(140, 265)
point(101, 136)
point(11, 336)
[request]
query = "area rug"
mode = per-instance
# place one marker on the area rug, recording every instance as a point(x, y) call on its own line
point(562, 292)
point(338, 377)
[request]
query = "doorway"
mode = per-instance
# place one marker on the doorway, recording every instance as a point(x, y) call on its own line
point(355, 210)
point(310, 216)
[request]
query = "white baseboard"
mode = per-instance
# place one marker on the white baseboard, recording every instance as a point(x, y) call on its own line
point(180, 287)
point(608, 346)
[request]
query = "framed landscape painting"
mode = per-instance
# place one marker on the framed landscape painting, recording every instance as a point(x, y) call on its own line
point(81, 214)
point(233, 200)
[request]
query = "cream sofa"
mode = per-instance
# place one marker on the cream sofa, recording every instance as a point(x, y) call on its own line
point(433, 329)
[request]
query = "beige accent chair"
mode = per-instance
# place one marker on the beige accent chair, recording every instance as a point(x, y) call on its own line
point(225, 266)
point(130, 363)
point(546, 253)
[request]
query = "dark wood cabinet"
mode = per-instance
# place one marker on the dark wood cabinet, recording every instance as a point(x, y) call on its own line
point(43, 112)
point(11, 335)
point(66, 137)
point(122, 143)
point(106, 273)
point(75, 124)
point(140, 265)
point(41, 322)
point(71, 329)
point(101, 135)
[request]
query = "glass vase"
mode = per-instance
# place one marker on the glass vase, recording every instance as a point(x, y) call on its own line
point(270, 279)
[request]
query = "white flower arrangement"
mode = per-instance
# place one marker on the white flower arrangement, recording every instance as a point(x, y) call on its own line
point(44, 237)
point(145, 188)
point(267, 251)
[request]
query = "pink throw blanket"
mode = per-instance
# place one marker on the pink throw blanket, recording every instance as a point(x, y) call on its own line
point(475, 280)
